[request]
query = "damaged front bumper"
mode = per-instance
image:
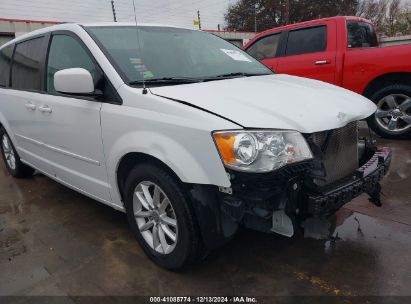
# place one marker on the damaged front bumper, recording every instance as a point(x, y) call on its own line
point(365, 180)
point(264, 202)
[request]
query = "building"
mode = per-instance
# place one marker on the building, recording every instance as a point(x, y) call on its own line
point(11, 28)
point(235, 37)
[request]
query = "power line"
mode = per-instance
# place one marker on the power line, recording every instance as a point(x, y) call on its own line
point(175, 10)
point(30, 15)
point(59, 11)
point(181, 7)
point(17, 4)
point(49, 11)
point(119, 10)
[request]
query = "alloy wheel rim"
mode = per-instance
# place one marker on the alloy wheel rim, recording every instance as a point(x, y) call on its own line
point(8, 152)
point(394, 113)
point(155, 217)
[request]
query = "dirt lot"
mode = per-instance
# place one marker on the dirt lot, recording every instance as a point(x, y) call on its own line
point(54, 241)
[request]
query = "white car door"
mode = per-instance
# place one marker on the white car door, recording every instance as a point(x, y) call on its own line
point(72, 130)
point(20, 100)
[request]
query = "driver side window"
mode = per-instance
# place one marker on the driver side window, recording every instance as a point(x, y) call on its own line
point(66, 52)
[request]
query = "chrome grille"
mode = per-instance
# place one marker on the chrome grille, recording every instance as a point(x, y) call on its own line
point(339, 149)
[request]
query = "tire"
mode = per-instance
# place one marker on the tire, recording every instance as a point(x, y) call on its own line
point(11, 159)
point(186, 248)
point(393, 116)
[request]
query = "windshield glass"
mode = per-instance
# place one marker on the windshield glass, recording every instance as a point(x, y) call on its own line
point(166, 52)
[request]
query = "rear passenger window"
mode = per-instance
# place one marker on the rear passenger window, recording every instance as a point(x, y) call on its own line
point(361, 34)
point(308, 40)
point(265, 47)
point(5, 60)
point(65, 53)
point(26, 68)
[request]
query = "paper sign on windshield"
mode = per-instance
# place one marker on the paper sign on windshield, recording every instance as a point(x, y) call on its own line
point(236, 55)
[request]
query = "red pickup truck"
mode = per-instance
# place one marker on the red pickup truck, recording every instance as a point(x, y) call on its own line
point(344, 51)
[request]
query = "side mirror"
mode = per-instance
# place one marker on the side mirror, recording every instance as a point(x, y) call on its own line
point(74, 81)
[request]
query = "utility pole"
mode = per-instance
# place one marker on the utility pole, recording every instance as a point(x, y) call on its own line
point(199, 20)
point(114, 11)
point(287, 12)
point(255, 17)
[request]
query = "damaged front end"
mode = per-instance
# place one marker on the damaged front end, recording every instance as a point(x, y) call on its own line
point(343, 167)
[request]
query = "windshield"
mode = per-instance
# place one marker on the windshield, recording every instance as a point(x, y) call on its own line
point(166, 53)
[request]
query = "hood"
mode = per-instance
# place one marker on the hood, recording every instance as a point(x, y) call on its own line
point(275, 102)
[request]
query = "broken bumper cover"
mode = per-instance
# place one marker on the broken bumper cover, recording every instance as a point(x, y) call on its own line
point(365, 180)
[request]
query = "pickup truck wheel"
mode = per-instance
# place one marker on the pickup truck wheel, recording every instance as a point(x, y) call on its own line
point(393, 116)
point(160, 217)
point(11, 159)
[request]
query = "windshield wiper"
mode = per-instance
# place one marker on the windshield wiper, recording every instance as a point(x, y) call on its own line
point(182, 80)
point(232, 75)
point(171, 80)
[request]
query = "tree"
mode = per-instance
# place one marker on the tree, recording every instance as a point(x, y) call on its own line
point(373, 10)
point(309, 10)
point(390, 17)
point(396, 19)
point(272, 13)
point(405, 28)
point(244, 14)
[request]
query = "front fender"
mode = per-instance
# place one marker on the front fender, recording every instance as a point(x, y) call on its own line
point(6, 126)
point(176, 134)
point(192, 163)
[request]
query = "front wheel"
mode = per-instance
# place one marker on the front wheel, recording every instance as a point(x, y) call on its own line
point(160, 216)
point(393, 116)
point(11, 159)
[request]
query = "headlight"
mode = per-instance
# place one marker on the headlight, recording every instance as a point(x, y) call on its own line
point(261, 151)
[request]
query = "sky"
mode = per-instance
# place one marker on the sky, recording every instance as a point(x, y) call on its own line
point(174, 12)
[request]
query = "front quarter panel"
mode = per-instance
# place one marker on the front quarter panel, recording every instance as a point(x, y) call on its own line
point(3, 121)
point(174, 133)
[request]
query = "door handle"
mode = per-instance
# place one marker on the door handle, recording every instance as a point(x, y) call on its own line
point(30, 106)
point(45, 109)
point(321, 62)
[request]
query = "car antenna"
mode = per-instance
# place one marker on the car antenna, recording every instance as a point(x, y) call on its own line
point(139, 44)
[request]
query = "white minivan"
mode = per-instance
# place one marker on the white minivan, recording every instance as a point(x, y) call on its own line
point(183, 131)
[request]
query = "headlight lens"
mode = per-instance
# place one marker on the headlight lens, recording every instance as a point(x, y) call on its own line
point(261, 151)
point(245, 148)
